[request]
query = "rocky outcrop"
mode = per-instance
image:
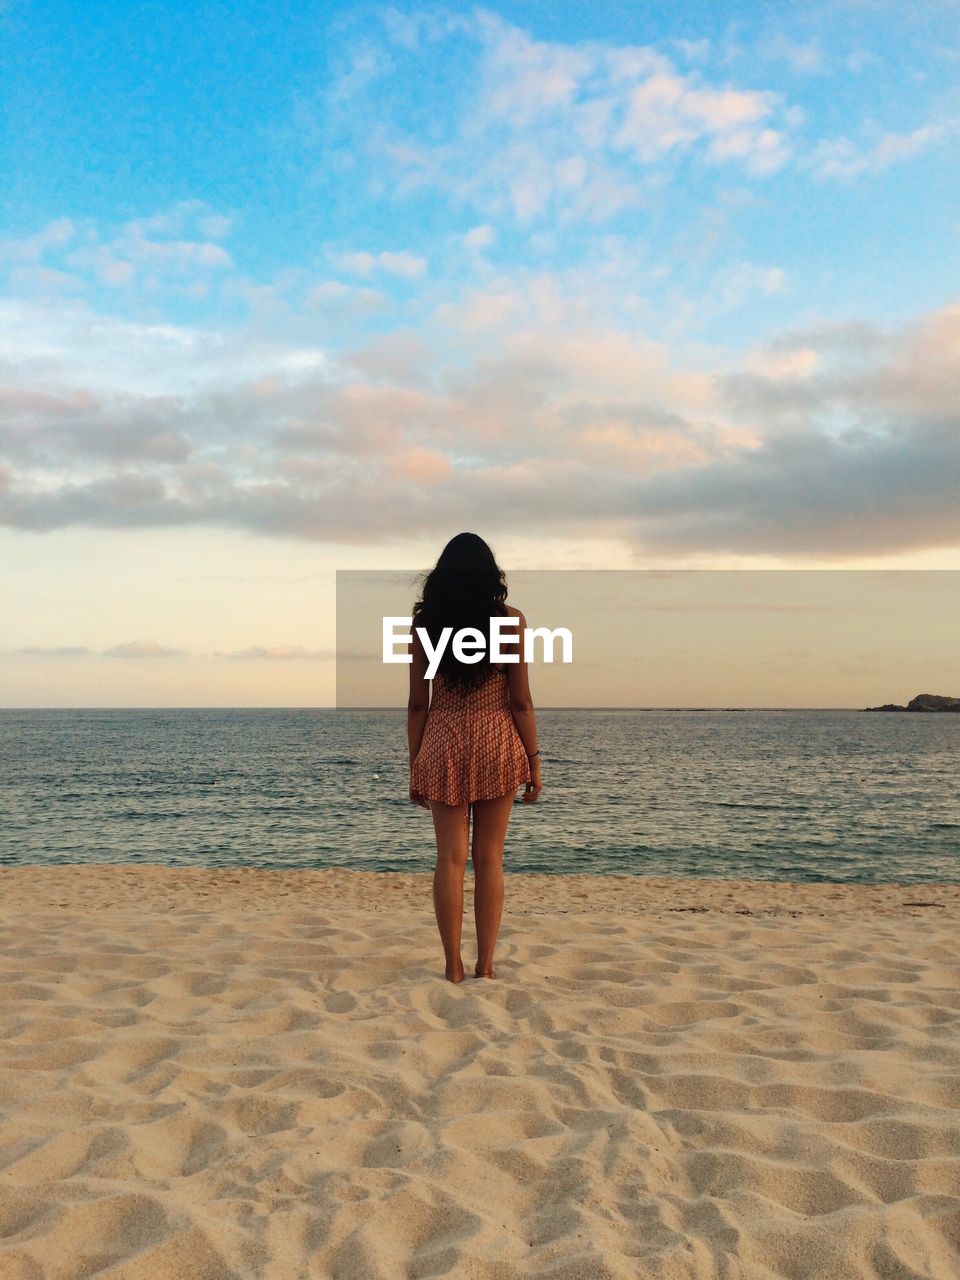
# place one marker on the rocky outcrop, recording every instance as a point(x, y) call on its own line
point(922, 702)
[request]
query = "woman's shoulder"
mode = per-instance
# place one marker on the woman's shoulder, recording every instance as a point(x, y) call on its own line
point(512, 610)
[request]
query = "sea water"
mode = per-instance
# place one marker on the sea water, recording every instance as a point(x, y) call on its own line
point(772, 795)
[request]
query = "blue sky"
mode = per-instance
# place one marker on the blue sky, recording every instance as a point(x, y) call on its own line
point(319, 285)
point(280, 119)
point(784, 228)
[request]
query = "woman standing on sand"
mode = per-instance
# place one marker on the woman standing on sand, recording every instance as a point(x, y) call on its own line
point(473, 744)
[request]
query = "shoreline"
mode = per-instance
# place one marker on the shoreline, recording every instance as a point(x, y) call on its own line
point(134, 886)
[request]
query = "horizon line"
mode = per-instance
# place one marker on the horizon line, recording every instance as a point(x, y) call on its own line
point(401, 707)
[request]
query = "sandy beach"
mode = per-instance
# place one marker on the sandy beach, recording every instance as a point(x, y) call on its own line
point(247, 1073)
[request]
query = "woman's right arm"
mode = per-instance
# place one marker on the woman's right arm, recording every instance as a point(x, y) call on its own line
point(524, 717)
point(418, 706)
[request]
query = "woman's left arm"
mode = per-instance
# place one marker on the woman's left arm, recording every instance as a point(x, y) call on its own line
point(418, 704)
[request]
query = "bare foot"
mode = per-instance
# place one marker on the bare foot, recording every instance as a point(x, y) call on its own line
point(485, 973)
point(455, 974)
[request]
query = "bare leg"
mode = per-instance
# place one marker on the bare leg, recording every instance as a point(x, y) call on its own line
point(450, 823)
point(490, 819)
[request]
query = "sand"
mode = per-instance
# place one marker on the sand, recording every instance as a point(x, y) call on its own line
point(233, 1073)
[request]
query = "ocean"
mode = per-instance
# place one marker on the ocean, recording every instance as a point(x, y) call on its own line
point(771, 795)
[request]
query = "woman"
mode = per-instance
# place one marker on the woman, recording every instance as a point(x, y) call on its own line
point(473, 745)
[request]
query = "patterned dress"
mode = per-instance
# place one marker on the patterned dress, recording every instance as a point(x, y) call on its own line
point(471, 749)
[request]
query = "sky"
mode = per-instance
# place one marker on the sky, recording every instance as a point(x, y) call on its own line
point(286, 290)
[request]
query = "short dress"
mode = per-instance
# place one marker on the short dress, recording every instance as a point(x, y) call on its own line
point(471, 749)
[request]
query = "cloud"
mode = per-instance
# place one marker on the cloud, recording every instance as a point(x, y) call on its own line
point(693, 50)
point(155, 253)
point(861, 452)
point(731, 287)
point(53, 651)
point(820, 494)
point(117, 500)
point(534, 129)
point(43, 426)
point(30, 248)
point(281, 653)
point(804, 57)
point(179, 217)
point(422, 466)
point(131, 257)
point(400, 356)
point(362, 263)
point(533, 399)
point(342, 300)
point(143, 649)
point(52, 345)
point(668, 110)
point(841, 158)
point(151, 649)
point(479, 237)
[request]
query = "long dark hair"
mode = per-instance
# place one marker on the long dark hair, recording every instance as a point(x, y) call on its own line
point(465, 588)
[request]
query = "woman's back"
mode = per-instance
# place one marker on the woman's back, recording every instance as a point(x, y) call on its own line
point(489, 695)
